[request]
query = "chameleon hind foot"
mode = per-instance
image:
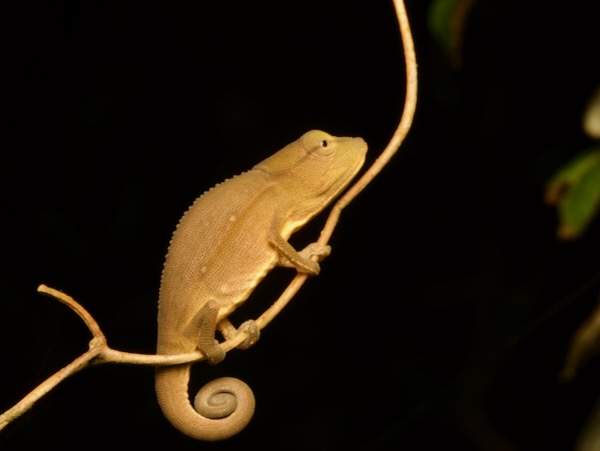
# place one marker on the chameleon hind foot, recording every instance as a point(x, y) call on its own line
point(249, 327)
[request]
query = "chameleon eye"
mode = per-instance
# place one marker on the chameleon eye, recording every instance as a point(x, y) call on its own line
point(319, 142)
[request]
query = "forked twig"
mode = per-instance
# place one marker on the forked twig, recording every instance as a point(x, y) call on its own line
point(100, 353)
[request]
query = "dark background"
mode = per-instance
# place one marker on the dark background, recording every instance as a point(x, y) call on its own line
point(443, 315)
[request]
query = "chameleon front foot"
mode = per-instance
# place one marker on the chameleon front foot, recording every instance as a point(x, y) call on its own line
point(315, 249)
point(301, 261)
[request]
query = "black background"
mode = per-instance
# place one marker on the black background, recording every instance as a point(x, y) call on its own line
point(443, 315)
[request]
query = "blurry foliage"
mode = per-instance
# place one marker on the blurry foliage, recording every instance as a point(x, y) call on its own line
point(447, 22)
point(575, 190)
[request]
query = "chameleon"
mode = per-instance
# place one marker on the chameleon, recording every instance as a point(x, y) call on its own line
point(223, 246)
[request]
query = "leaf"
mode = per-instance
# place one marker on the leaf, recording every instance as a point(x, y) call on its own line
point(447, 23)
point(584, 345)
point(439, 19)
point(575, 190)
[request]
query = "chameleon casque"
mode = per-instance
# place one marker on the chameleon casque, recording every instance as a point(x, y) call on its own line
point(223, 246)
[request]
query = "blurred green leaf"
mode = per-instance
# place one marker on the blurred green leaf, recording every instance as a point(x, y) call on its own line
point(575, 190)
point(447, 22)
point(439, 21)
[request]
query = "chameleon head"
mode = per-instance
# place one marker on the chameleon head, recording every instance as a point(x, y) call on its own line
point(317, 167)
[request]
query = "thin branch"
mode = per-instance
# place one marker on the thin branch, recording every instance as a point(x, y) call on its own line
point(89, 321)
point(410, 103)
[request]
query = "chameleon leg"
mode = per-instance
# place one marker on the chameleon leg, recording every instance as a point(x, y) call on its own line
point(208, 345)
point(290, 258)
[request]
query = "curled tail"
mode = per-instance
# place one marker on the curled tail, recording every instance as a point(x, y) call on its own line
point(223, 407)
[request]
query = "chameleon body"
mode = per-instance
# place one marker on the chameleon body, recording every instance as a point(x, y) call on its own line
point(224, 245)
